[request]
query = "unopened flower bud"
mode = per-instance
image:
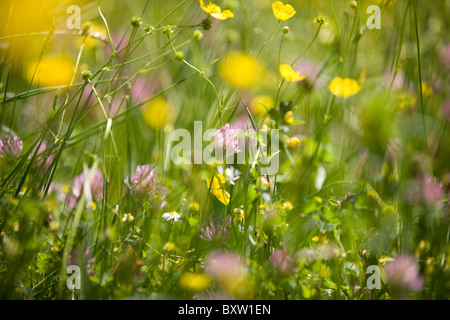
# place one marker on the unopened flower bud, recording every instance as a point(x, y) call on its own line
point(136, 21)
point(167, 30)
point(179, 55)
point(198, 35)
point(206, 24)
point(86, 27)
point(148, 28)
point(86, 75)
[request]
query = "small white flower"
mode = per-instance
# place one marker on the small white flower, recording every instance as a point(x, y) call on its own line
point(231, 174)
point(175, 216)
point(127, 217)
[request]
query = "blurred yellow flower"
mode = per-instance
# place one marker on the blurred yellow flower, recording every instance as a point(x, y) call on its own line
point(217, 188)
point(54, 226)
point(169, 246)
point(194, 281)
point(215, 11)
point(406, 101)
point(344, 88)
point(325, 272)
point(288, 117)
point(287, 205)
point(157, 113)
point(241, 70)
point(289, 74)
point(282, 12)
point(195, 206)
point(427, 89)
point(259, 104)
point(52, 71)
point(293, 142)
point(372, 193)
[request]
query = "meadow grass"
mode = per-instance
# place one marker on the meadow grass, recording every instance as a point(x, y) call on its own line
point(88, 177)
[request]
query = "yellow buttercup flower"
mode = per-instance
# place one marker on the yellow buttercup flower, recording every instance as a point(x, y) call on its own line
point(52, 71)
point(288, 117)
point(217, 189)
point(289, 74)
point(293, 142)
point(282, 12)
point(194, 281)
point(344, 88)
point(427, 89)
point(157, 113)
point(215, 11)
point(259, 104)
point(195, 206)
point(241, 70)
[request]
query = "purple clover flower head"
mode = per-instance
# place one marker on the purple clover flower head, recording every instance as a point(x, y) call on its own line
point(432, 190)
point(43, 158)
point(142, 90)
point(95, 180)
point(244, 123)
point(398, 83)
point(445, 55)
point(11, 147)
point(225, 139)
point(312, 72)
point(446, 111)
point(57, 190)
point(283, 262)
point(403, 276)
point(217, 230)
point(225, 268)
point(144, 183)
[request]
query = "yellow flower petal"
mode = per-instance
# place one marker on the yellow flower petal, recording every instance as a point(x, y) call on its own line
point(215, 11)
point(217, 188)
point(259, 104)
point(344, 88)
point(293, 142)
point(288, 117)
point(223, 196)
point(289, 74)
point(223, 15)
point(157, 113)
point(52, 71)
point(427, 89)
point(282, 12)
point(241, 70)
point(194, 281)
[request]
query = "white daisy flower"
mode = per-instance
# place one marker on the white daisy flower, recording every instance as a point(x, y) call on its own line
point(173, 215)
point(231, 174)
